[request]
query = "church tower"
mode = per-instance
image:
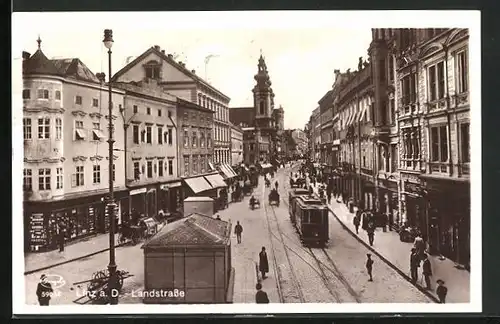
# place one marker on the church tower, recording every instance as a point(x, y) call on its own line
point(263, 97)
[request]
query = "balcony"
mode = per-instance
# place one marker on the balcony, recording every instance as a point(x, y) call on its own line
point(439, 167)
point(436, 105)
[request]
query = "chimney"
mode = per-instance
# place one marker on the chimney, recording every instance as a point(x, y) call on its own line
point(26, 55)
point(170, 56)
point(193, 71)
point(163, 51)
point(157, 47)
point(101, 76)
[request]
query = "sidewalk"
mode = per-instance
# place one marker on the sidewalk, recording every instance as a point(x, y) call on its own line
point(88, 247)
point(388, 245)
point(245, 256)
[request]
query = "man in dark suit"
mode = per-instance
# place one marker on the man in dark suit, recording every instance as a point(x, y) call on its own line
point(263, 263)
point(260, 295)
point(44, 291)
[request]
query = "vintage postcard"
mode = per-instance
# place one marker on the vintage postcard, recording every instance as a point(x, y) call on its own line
point(316, 162)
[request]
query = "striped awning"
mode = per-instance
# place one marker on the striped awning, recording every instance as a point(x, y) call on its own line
point(230, 168)
point(216, 180)
point(198, 184)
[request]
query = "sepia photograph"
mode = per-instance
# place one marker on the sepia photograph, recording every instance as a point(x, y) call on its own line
point(209, 162)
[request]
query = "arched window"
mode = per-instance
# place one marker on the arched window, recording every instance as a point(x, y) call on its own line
point(261, 108)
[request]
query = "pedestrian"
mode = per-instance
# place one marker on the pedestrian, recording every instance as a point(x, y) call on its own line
point(441, 291)
point(238, 229)
point(371, 232)
point(44, 291)
point(427, 271)
point(329, 196)
point(61, 235)
point(414, 264)
point(419, 244)
point(369, 266)
point(260, 295)
point(356, 221)
point(263, 263)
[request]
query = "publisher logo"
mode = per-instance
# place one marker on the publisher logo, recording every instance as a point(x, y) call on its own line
point(55, 281)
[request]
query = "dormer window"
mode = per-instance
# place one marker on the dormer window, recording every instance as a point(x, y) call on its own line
point(152, 69)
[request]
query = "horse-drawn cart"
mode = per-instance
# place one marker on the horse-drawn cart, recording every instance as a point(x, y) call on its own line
point(97, 290)
point(274, 198)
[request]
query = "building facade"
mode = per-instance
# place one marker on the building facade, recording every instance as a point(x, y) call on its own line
point(404, 129)
point(150, 143)
point(300, 138)
point(236, 146)
point(353, 101)
point(66, 158)
point(326, 119)
point(183, 83)
point(433, 104)
point(195, 141)
point(315, 135)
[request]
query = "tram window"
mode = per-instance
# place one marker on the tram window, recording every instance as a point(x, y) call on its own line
point(305, 216)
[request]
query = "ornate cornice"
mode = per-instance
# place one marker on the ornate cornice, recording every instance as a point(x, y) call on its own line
point(80, 113)
point(95, 115)
point(79, 158)
point(43, 109)
point(96, 157)
point(114, 157)
point(45, 160)
point(148, 158)
point(160, 157)
point(136, 158)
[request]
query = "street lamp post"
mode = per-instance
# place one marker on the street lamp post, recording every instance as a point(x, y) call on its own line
point(113, 280)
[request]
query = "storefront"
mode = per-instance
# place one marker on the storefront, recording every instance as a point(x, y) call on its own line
point(448, 210)
point(83, 215)
point(367, 193)
point(388, 200)
point(413, 209)
point(143, 202)
point(170, 197)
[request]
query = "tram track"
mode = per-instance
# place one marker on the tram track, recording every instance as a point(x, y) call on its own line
point(329, 265)
point(298, 289)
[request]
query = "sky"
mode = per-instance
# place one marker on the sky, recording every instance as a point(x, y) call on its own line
point(302, 49)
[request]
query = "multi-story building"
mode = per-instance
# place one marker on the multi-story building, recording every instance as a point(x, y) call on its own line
point(433, 104)
point(404, 132)
point(315, 135)
point(196, 147)
point(300, 138)
point(353, 102)
point(236, 146)
point(66, 158)
point(279, 124)
point(183, 83)
point(150, 144)
point(260, 132)
point(326, 118)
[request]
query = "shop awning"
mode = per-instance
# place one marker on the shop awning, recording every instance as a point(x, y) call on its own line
point(216, 180)
point(363, 113)
point(211, 165)
point(198, 184)
point(230, 169)
point(225, 171)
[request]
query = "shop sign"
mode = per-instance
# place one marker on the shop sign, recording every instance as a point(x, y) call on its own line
point(167, 186)
point(138, 191)
point(412, 188)
point(390, 185)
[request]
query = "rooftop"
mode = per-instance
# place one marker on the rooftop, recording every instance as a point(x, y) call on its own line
point(194, 230)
